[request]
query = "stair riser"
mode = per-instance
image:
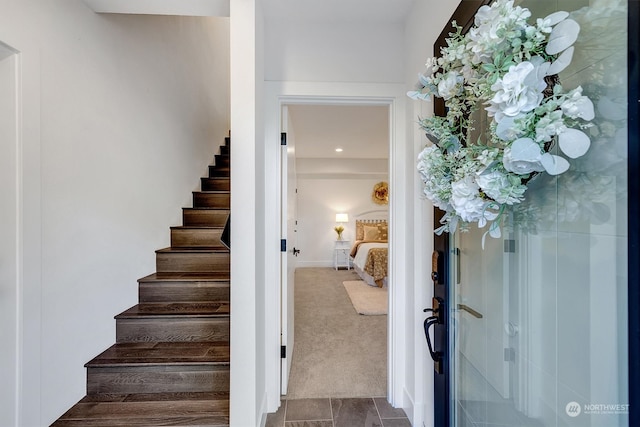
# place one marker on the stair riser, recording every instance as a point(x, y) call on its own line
point(157, 379)
point(182, 292)
point(215, 171)
point(172, 330)
point(225, 149)
point(192, 262)
point(211, 200)
point(215, 184)
point(204, 217)
point(222, 160)
point(193, 238)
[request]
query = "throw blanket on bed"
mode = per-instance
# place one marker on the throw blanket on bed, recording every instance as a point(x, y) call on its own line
point(376, 265)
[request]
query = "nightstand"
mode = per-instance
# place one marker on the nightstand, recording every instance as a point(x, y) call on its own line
point(341, 254)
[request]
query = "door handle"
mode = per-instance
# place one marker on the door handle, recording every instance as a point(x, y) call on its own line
point(295, 251)
point(436, 319)
point(428, 322)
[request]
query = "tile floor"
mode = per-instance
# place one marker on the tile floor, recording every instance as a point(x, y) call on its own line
point(338, 412)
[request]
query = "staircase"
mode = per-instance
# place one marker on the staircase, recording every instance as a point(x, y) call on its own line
point(170, 363)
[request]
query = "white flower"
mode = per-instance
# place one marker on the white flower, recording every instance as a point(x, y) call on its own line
point(549, 126)
point(523, 157)
point(466, 200)
point(578, 105)
point(450, 85)
point(432, 66)
point(496, 185)
point(519, 91)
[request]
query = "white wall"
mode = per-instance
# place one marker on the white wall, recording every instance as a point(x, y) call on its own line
point(424, 24)
point(324, 189)
point(9, 236)
point(121, 116)
point(335, 52)
point(249, 337)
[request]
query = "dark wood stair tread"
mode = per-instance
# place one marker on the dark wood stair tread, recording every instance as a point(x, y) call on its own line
point(208, 208)
point(155, 397)
point(163, 353)
point(214, 277)
point(197, 227)
point(199, 250)
point(149, 409)
point(172, 310)
point(211, 192)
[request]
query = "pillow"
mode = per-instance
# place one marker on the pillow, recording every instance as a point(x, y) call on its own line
point(371, 232)
point(381, 224)
point(383, 231)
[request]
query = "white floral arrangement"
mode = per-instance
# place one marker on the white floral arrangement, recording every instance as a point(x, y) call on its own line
point(511, 68)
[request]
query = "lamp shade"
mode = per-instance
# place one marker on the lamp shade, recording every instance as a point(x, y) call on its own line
point(342, 217)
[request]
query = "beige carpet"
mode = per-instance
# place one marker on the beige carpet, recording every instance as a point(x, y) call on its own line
point(337, 352)
point(367, 300)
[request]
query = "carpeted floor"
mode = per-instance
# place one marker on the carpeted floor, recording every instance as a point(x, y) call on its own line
point(337, 352)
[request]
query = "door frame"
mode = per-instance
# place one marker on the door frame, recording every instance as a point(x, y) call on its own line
point(633, 210)
point(278, 94)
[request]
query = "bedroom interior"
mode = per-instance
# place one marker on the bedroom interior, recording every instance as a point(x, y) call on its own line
point(340, 309)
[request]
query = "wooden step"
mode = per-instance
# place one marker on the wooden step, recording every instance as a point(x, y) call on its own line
point(172, 322)
point(211, 217)
point(225, 149)
point(223, 160)
point(227, 140)
point(149, 409)
point(193, 237)
point(212, 199)
point(192, 260)
point(215, 184)
point(160, 367)
point(181, 287)
point(215, 171)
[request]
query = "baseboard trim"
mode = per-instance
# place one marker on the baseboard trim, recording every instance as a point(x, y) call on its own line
point(409, 408)
point(263, 411)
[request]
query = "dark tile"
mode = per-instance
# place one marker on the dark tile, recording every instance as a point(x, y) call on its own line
point(355, 413)
point(308, 410)
point(308, 424)
point(386, 410)
point(396, 422)
point(277, 418)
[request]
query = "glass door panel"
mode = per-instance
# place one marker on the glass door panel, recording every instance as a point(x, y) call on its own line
point(538, 333)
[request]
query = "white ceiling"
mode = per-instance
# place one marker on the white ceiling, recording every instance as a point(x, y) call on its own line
point(361, 131)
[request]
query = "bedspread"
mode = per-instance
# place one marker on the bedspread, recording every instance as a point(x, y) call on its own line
point(376, 264)
point(371, 257)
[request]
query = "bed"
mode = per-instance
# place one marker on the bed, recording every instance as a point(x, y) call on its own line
point(369, 254)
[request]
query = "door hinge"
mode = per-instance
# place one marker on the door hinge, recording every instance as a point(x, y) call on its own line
point(283, 138)
point(283, 352)
point(283, 245)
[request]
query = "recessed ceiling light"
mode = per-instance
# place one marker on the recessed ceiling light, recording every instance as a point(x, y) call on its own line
point(338, 150)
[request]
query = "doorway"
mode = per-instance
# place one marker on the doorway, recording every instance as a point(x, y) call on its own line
point(400, 333)
point(341, 154)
